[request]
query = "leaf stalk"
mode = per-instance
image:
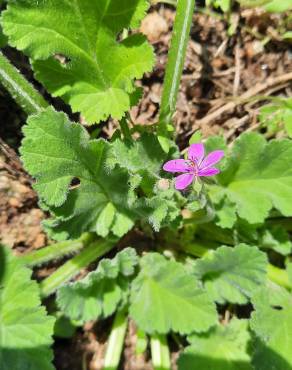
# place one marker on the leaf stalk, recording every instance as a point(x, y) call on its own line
point(72, 267)
point(25, 95)
point(116, 341)
point(160, 352)
point(175, 64)
point(56, 251)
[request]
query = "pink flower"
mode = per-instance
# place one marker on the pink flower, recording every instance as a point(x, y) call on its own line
point(195, 166)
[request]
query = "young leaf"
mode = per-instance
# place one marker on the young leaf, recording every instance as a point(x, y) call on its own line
point(143, 157)
point(76, 52)
point(224, 347)
point(272, 323)
point(257, 178)
point(55, 152)
point(25, 329)
point(165, 297)
point(232, 274)
point(101, 291)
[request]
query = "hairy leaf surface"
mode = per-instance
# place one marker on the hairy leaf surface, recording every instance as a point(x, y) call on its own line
point(224, 347)
point(76, 53)
point(100, 292)
point(232, 274)
point(56, 151)
point(25, 329)
point(165, 297)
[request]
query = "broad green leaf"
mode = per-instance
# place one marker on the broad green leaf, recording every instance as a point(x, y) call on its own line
point(165, 297)
point(76, 50)
point(25, 329)
point(224, 347)
point(55, 152)
point(232, 274)
point(272, 323)
point(257, 178)
point(101, 291)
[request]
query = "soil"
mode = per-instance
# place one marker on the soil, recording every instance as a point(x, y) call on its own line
point(224, 76)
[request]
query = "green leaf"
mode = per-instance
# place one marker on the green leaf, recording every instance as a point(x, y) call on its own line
point(277, 238)
point(165, 297)
point(101, 291)
point(224, 5)
point(257, 178)
point(76, 50)
point(55, 151)
point(232, 274)
point(224, 347)
point(276, 6)
point(143, 157)
point(272, 323)
point(25, 329)
point(277, 116)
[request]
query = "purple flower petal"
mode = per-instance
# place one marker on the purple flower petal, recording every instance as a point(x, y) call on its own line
point(196, 152)
point(211, 171)
point(212, 158)
point(183, 181)
point(176, 165)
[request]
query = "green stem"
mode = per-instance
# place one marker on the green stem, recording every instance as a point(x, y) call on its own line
point(73, 266)
point(125, 129)
point(116, 341)
point(160, 352)
point(56, 251)
point(277, 275)
point(175, 64)
point(19, 88)
point(141, 343)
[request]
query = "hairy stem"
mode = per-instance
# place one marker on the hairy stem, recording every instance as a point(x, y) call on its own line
point(176, 59)
point(160, 352)
point(72, 267)
point(56, 251)
point(30, 100)
point(116, 341)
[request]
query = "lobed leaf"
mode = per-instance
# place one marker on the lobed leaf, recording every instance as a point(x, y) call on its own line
point(272, 323)
point(101, 291)
point(55, 152)
point(76, 50)
point(232, 274)
point(224, 347)
point(25, 329)
point(256, 178)
point(165, 297)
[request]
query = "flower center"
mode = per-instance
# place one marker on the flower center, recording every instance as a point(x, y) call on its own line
point(193, 166)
